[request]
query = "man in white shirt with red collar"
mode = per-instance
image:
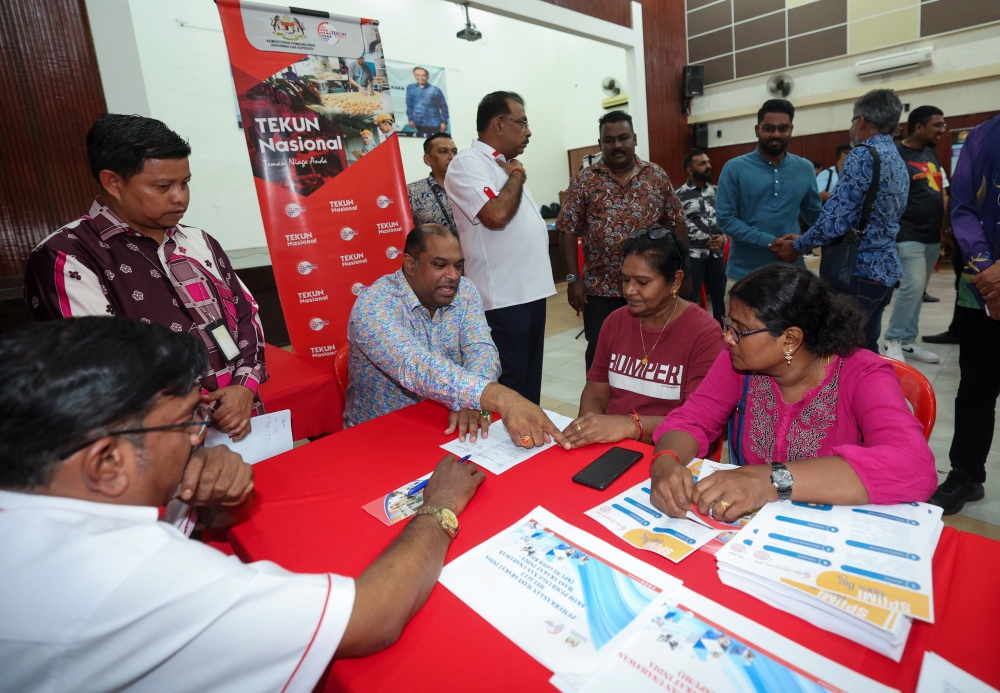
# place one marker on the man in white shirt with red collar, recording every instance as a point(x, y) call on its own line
point(505, 241)
point(100, 427)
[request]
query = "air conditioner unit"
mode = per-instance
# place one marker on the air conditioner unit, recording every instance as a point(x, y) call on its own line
point(893, 63)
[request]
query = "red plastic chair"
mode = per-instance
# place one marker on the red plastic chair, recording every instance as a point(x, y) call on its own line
point(340, 368)
point(919, 392)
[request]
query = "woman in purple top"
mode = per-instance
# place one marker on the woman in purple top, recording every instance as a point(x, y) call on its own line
point(825, 420)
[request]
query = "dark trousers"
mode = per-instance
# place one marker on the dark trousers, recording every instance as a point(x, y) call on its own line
point(872, 298)
point(957, 265)
point(978, 389)
point(595, 312)
point(711, 270)
point(519, 333)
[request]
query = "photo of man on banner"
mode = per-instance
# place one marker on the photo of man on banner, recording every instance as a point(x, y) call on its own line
point(419, 91)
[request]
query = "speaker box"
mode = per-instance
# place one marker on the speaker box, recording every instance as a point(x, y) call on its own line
point(699, 136)
point(694, 80)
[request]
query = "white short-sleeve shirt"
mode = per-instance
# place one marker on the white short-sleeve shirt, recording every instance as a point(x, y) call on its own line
point(101, 597)
point(509, 266)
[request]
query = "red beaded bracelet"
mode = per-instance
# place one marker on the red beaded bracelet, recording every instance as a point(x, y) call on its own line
point(665, 452)
point(638, 425)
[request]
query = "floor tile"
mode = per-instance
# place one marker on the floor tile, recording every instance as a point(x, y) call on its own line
point(564, 390)
point(572, 370)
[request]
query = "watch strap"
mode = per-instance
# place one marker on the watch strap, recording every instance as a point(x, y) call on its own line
point(784, 493)
point(439, 515)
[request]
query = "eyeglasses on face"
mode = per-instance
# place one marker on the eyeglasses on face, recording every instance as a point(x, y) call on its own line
point(771, 129)
point(870, 122)
point(201, 419)
point(656, 233)
point(523, 122)
point(728, 329)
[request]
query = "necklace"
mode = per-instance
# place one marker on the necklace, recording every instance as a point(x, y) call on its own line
point(645, 356)
point(821, 370)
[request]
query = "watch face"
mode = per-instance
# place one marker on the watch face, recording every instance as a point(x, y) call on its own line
point(781, 478)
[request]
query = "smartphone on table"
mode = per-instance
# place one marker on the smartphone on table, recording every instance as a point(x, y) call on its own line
point(605, 469)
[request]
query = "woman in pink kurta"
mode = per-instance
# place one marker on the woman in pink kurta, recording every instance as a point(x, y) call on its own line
point(832, 415)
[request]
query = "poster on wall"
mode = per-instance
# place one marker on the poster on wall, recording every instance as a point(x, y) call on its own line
point(315, 103)
point(419, 97)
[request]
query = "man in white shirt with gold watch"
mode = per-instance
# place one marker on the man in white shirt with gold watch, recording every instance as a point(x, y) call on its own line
point(100, 424)
point(504, 239)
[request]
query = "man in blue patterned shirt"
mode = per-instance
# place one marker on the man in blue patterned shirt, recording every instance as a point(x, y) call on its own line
point(428, 199)
point(426, 107)
point(421, 333)
point(876, 117)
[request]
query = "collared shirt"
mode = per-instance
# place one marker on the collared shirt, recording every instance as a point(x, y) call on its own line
point(605, 212)
point(757, 202)
point(429, 204)
point(401, 355)
point(103, 597)
point(975, 206)
point(426, 106)
point(97, 265)
point(509, 266)
point(877, 257)
point(826, 180)
point(921, 220)
point(699, 214)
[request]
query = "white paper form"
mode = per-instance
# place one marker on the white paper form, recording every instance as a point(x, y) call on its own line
point(270, 435)
point(631, 516)
point(879, 555)
point(938, 675)
point(498, 452)
point(562, 595)
point(695, 644)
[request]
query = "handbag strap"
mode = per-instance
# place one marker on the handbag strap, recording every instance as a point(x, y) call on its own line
point(869, 204)
point(735, 431)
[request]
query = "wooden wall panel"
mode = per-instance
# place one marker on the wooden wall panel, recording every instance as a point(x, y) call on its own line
point(615, 11)
point(50, 94)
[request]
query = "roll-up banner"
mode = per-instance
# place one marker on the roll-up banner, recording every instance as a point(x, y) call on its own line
point(316, 108)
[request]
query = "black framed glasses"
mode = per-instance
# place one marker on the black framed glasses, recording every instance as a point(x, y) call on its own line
point(523, 122)
point(201, 419)
point(728, 329)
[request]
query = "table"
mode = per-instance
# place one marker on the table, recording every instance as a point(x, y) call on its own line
point(311, 392)
point(309, 518)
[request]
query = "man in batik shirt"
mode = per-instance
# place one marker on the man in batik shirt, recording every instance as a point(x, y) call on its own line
point(706, 241)
point(428, 199)
point(605, 203)
point(130, 257)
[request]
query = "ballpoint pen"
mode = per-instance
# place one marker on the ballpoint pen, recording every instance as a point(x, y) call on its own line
point(420, 487)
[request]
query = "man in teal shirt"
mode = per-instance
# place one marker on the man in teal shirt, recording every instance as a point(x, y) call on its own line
point(761, 194)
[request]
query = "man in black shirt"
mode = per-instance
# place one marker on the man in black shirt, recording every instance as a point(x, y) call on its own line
point(919, 239)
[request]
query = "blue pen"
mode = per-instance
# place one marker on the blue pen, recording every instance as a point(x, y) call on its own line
point(420, 487)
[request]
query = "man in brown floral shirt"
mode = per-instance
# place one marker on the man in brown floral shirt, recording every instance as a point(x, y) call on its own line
point(605, 203)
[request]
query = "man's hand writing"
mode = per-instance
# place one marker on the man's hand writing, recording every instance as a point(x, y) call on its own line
point(453, 484)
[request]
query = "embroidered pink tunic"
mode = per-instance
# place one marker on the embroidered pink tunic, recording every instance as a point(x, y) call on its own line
point(857, 412)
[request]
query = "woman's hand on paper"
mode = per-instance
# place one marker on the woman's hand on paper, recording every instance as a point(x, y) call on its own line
point(672, 486)
point(733, 493)
point(599, 428)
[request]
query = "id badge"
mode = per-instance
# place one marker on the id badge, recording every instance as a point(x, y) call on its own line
point(223, 340)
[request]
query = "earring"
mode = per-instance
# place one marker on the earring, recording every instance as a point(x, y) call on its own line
point(674, 293)
point(788, 357)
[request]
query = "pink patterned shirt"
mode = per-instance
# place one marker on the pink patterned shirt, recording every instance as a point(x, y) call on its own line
point(97, 265)
point(858, 412)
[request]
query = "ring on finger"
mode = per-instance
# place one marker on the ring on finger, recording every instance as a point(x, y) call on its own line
point(711, 507)
point(526, 440)
point(725, 506)
point(578, 427)
point(488, 415)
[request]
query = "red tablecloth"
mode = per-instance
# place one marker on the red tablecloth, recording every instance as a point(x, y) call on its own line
point(309, 519)
point(309, 391)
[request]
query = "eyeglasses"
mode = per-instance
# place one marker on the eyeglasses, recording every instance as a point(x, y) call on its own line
point(728, 329)
point(656, 233)
point(523, 122)
point(867, 120)
point(201, 419)
point(771, 129)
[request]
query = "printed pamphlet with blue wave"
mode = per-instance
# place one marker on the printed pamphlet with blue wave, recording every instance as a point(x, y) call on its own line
point(693, 644)
point(562, 595)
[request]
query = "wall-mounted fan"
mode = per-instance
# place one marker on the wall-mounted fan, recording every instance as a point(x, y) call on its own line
point(780, 85)
point(611, 86)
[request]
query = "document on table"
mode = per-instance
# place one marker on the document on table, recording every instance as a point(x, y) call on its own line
point(694, 644)
point(397, 505)
point(632, 517)
point(270, 435)
point(874, 555)
point(938, 675)
point(561, 594)
point(498, 452)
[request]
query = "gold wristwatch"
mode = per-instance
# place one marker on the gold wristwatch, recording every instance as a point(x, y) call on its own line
point(445, 518)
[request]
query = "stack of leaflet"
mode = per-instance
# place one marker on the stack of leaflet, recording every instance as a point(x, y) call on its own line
point(862, 572)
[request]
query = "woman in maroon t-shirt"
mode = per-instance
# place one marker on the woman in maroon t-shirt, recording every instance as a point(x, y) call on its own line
point(652, 354)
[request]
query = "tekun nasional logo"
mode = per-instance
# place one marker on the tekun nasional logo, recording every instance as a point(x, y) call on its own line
point(357, 288)
point(319, 352)
point(347, 233)
point(352, 259)
point(391, 252)
point(343, 206)
point(383, 201)
point(293, 210)
point(312, 296)
point(317, 324)
point(389, 227)
point(288, 27)
point(305, 267)
point(329, 33)
point(304, 238)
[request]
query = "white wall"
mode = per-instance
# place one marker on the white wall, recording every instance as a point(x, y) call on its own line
point(828, 88)
point(186, 79)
